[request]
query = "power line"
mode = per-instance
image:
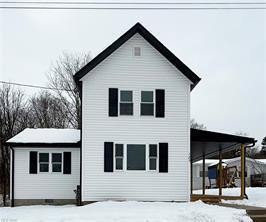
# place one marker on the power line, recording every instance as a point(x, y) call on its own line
point(32, 86)
point(132, 3)
point(131, 8)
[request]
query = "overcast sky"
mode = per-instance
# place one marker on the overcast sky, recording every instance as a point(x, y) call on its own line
point(227, 49)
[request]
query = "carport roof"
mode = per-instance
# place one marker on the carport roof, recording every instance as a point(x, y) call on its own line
point(209, 143)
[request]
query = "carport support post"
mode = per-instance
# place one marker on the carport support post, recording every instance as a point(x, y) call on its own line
point(220, 172)
point(203, 174)
point(242, 171)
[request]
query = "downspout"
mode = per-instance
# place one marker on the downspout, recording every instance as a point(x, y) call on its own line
point(80, 151)
point(249, 146)
point(12, 175)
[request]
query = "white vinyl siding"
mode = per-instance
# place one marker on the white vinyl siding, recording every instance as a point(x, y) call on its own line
point(45, 185)
point(147, 72)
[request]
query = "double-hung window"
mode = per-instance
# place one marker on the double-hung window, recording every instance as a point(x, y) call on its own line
point(119, 154)
point(44, 162)
point(147, 103)
point(153, 156)
point(126, 102)
point(56, 162)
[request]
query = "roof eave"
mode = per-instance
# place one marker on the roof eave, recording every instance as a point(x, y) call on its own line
point(43, 145)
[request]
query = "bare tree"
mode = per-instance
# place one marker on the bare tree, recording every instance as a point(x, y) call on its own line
point(61, 78)
point(12, 121)
point(195, 125)
point(48, 111)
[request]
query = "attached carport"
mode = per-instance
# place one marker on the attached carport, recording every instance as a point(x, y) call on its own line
point(207, 144)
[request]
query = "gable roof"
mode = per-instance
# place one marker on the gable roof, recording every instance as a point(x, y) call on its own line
point(138, 28)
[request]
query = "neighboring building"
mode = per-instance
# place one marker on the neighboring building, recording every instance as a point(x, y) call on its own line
point(136, 142)
point(253, 167)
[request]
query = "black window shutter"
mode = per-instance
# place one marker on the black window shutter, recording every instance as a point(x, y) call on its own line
point(163, 157)
point(33, 162)
point(113, 102)
point(108, 156)
point(160, 102)
point(67, 163)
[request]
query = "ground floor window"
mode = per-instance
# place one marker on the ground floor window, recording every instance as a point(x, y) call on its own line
point(56, 162)
point(119, 156)
point(153, 156)
point(44, 162)
point(136, 157)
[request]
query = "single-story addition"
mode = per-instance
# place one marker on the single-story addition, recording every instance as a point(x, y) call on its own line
point(135, 140)
point(45, 166)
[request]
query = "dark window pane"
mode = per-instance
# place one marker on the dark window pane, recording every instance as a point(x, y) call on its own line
point(56, 157)
point(125, 96)
point(152, 164)
point(153, 150)
point(146, 109)
point(136, 157)
point(44, 167)
point(147, 96)
point(119, 164)
point(44, 157)
point(118, 149)
point(126, 108)
point(57, 167)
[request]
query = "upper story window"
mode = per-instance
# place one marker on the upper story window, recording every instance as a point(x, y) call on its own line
point(57, 162)
point(147, 103)
point(137, 51)
point(126, 102)
point(152, 103)
point(44, 162)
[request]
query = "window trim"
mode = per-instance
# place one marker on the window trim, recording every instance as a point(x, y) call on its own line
point(153, 102)
point(119, 157)
point(52, 163)
point(147, 159)
point(152, 157)
point(39, 163)
point(125, 102)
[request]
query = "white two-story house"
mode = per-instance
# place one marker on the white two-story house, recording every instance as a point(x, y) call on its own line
point(135, 122)
point(134, 141)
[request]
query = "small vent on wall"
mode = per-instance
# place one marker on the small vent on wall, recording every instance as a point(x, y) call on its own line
point(137, 51)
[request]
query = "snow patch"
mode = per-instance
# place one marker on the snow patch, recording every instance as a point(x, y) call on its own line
point(46, 135)
point(129, 211)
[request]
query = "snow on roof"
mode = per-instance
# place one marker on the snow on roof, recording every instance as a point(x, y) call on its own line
point(208, 161)
point(46, 135)
point(211, 162)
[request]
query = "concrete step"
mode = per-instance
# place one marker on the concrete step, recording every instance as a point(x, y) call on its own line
point(258, 218)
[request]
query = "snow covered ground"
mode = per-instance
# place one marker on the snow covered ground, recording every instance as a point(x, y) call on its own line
point(131, 211)
point(256, 195)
